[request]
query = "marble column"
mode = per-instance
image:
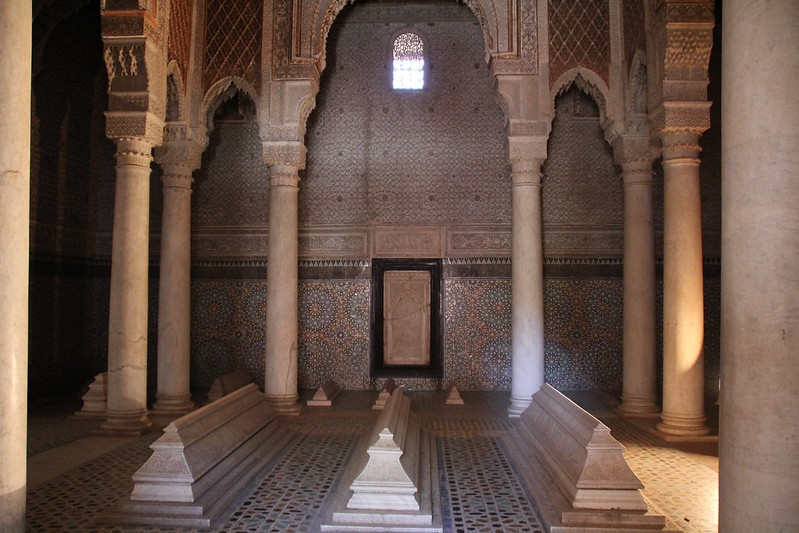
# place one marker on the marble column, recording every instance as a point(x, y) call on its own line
point(280, 380)
point(527, 303)
point(127, 319)
point(759, 423)
point(683, 301)
point(15, 95)
point(639, 394)
point(173, 396)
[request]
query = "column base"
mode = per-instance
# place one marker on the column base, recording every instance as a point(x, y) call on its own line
point(125, 424)
point(174, 405)
point(682, 426)
point(285, 405)
point(518, 405)
point(639, 406)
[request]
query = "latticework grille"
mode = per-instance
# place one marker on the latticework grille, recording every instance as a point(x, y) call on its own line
point(579, 35)
point(233, 40)
point(180, 33)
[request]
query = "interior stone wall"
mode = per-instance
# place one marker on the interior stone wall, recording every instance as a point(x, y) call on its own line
point(375, 157)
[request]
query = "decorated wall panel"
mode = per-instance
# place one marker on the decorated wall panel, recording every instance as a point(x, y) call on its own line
point(381, 155)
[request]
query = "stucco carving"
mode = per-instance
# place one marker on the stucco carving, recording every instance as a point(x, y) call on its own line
point(182, 149)
point(687, 52)
point(412, 241)
point(124, 124)
point(286, 153)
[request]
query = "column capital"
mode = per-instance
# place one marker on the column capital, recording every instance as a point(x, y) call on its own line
point(182, 150)
point(526, 172)
point(285, 153)
point(284, 176)
point(134, 151)
point(681, 144)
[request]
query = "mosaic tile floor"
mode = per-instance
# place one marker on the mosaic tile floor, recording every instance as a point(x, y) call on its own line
point(479, 488)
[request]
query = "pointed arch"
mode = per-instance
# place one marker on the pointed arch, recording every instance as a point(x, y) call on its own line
point(590, 83)
point(221, 91)
point(175, 96)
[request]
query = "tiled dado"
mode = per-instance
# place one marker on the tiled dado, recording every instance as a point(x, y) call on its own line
point(582, 331)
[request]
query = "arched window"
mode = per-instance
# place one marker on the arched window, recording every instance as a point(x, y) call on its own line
point(408, 54)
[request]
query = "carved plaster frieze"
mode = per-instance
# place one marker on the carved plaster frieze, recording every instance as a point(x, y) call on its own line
point(576, 241)
point(351, 244)
point(479, 242)
point(127, 124)
point(410, 241)
point(689, 116)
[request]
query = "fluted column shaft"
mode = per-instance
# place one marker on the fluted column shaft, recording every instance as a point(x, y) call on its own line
point(527, 303)
point(759, 422)
point(127, 319)
point(15, 95)
point(639, 395)
point(280, 380)
point(174, 294)
point(683, 301)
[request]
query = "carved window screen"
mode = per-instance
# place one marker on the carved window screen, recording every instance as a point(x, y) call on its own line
point(408, 65)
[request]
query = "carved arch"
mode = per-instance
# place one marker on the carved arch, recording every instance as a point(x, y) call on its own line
point(321, 24)
point(590, 83)
point(173, 72)
point(216, 94)
point(636, 100)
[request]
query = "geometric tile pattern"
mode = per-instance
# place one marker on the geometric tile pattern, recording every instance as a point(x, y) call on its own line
point(583, 333)
point(481, 491)
point(334, 333)
point(579, 36)
point(71, 501)
point(477, 334)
